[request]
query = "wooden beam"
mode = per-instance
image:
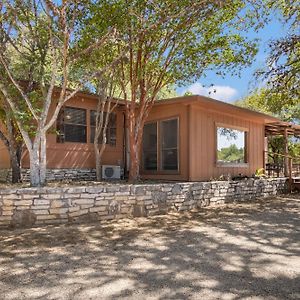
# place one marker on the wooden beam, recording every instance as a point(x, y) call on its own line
point(286, 153)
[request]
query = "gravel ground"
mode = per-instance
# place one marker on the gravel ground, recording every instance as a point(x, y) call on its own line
point(245, 251)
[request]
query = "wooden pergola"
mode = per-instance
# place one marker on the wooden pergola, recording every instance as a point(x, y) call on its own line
point(284, 129)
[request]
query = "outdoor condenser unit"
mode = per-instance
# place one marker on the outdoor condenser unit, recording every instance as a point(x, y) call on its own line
point(111, 172)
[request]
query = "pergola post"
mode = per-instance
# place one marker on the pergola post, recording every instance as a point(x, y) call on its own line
point(266, 149)
point(286, 153)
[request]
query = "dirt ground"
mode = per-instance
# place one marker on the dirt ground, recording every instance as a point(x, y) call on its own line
point(245, 251)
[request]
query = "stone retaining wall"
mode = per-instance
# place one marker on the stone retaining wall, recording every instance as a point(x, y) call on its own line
point(54, 175)
point(38, 206)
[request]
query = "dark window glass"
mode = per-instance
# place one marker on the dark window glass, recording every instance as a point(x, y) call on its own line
point(111, 130)
point(71, 125)
point(150, 146)
point(169, 144)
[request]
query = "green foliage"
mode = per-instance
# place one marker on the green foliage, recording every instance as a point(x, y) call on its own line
point(174, 45)
point(282, 71)
point(231, 154)
point(273, 103)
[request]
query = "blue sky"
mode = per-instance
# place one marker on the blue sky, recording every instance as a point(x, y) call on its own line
point(232, 88)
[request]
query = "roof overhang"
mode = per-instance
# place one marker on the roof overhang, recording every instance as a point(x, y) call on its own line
point(207, 103)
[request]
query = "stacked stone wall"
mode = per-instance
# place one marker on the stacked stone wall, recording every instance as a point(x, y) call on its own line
point(28, 207)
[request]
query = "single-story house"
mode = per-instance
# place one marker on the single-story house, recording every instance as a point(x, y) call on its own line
point(189, 138)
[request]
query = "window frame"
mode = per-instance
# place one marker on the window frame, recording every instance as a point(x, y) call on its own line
point(164, 149)
point(160, 170)
point(61, 137)
point(157, 148)
point(108, 143)
point(244, 164)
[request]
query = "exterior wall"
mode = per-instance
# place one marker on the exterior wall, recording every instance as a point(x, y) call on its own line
point(35, 207)
point(203, 144)
point(4, 156)
point(81, 155)
point(165, 112)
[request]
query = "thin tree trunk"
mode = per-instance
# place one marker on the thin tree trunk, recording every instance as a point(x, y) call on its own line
point(134, 173)
point(37, 156)
point(12, 145)
point(43, 159)
point(136, 134)
point(35, 179)
point(98, 161)
point(15, 165)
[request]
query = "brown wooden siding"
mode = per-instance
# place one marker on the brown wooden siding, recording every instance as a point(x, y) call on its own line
point(203, 144)
point(81, 155)
point(197, 140)
point(4, 156)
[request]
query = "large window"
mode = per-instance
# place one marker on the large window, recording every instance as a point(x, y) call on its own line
point(150, 146)
point(160, 146)
point(231, 145)
point(71, 125)
point(169, 144)
point(111, 129)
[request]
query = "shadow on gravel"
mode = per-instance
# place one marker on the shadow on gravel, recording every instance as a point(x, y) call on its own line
point(233, 252)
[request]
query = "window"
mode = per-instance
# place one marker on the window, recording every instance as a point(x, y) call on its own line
point(71, 125)
point(231, 145)
point(160, 146)
point(111, 130)
point(169, 143)
point(150, 146)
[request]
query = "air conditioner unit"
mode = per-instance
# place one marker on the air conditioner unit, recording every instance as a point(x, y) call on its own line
point(111, 172)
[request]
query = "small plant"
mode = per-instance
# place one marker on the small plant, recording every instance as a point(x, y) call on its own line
point(260, 172)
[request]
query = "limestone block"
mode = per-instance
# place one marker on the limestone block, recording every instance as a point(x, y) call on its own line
point(86, 206)
point(41, 212)
point(24, 202)
point(94, 190)
point(59, 211)
point(101, 202)
point(83, 201)
point(41, 202)
point(46, 217)
point(8, 202)
point(78, 213)
point(98, 208)
point(58, 203)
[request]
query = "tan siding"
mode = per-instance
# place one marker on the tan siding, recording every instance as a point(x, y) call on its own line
point(204, 138)
point(4, 156)
point(77, 155)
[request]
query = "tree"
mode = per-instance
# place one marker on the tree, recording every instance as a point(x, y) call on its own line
point(282, 71)
point(105, 106)
point(170, 42)
point(231, 154)
point(270, 102)
point(43, 36)
point(11, 138)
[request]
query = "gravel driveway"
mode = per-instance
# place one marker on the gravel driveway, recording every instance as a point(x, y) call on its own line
point(245, 251)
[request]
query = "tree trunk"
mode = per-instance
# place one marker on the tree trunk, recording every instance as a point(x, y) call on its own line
point(14, 149)
point(43, 159)
point(37, 156)
point(135, 146)
point(15, 165)
point(98, 161)
point(35, 179)
point(134, 170)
